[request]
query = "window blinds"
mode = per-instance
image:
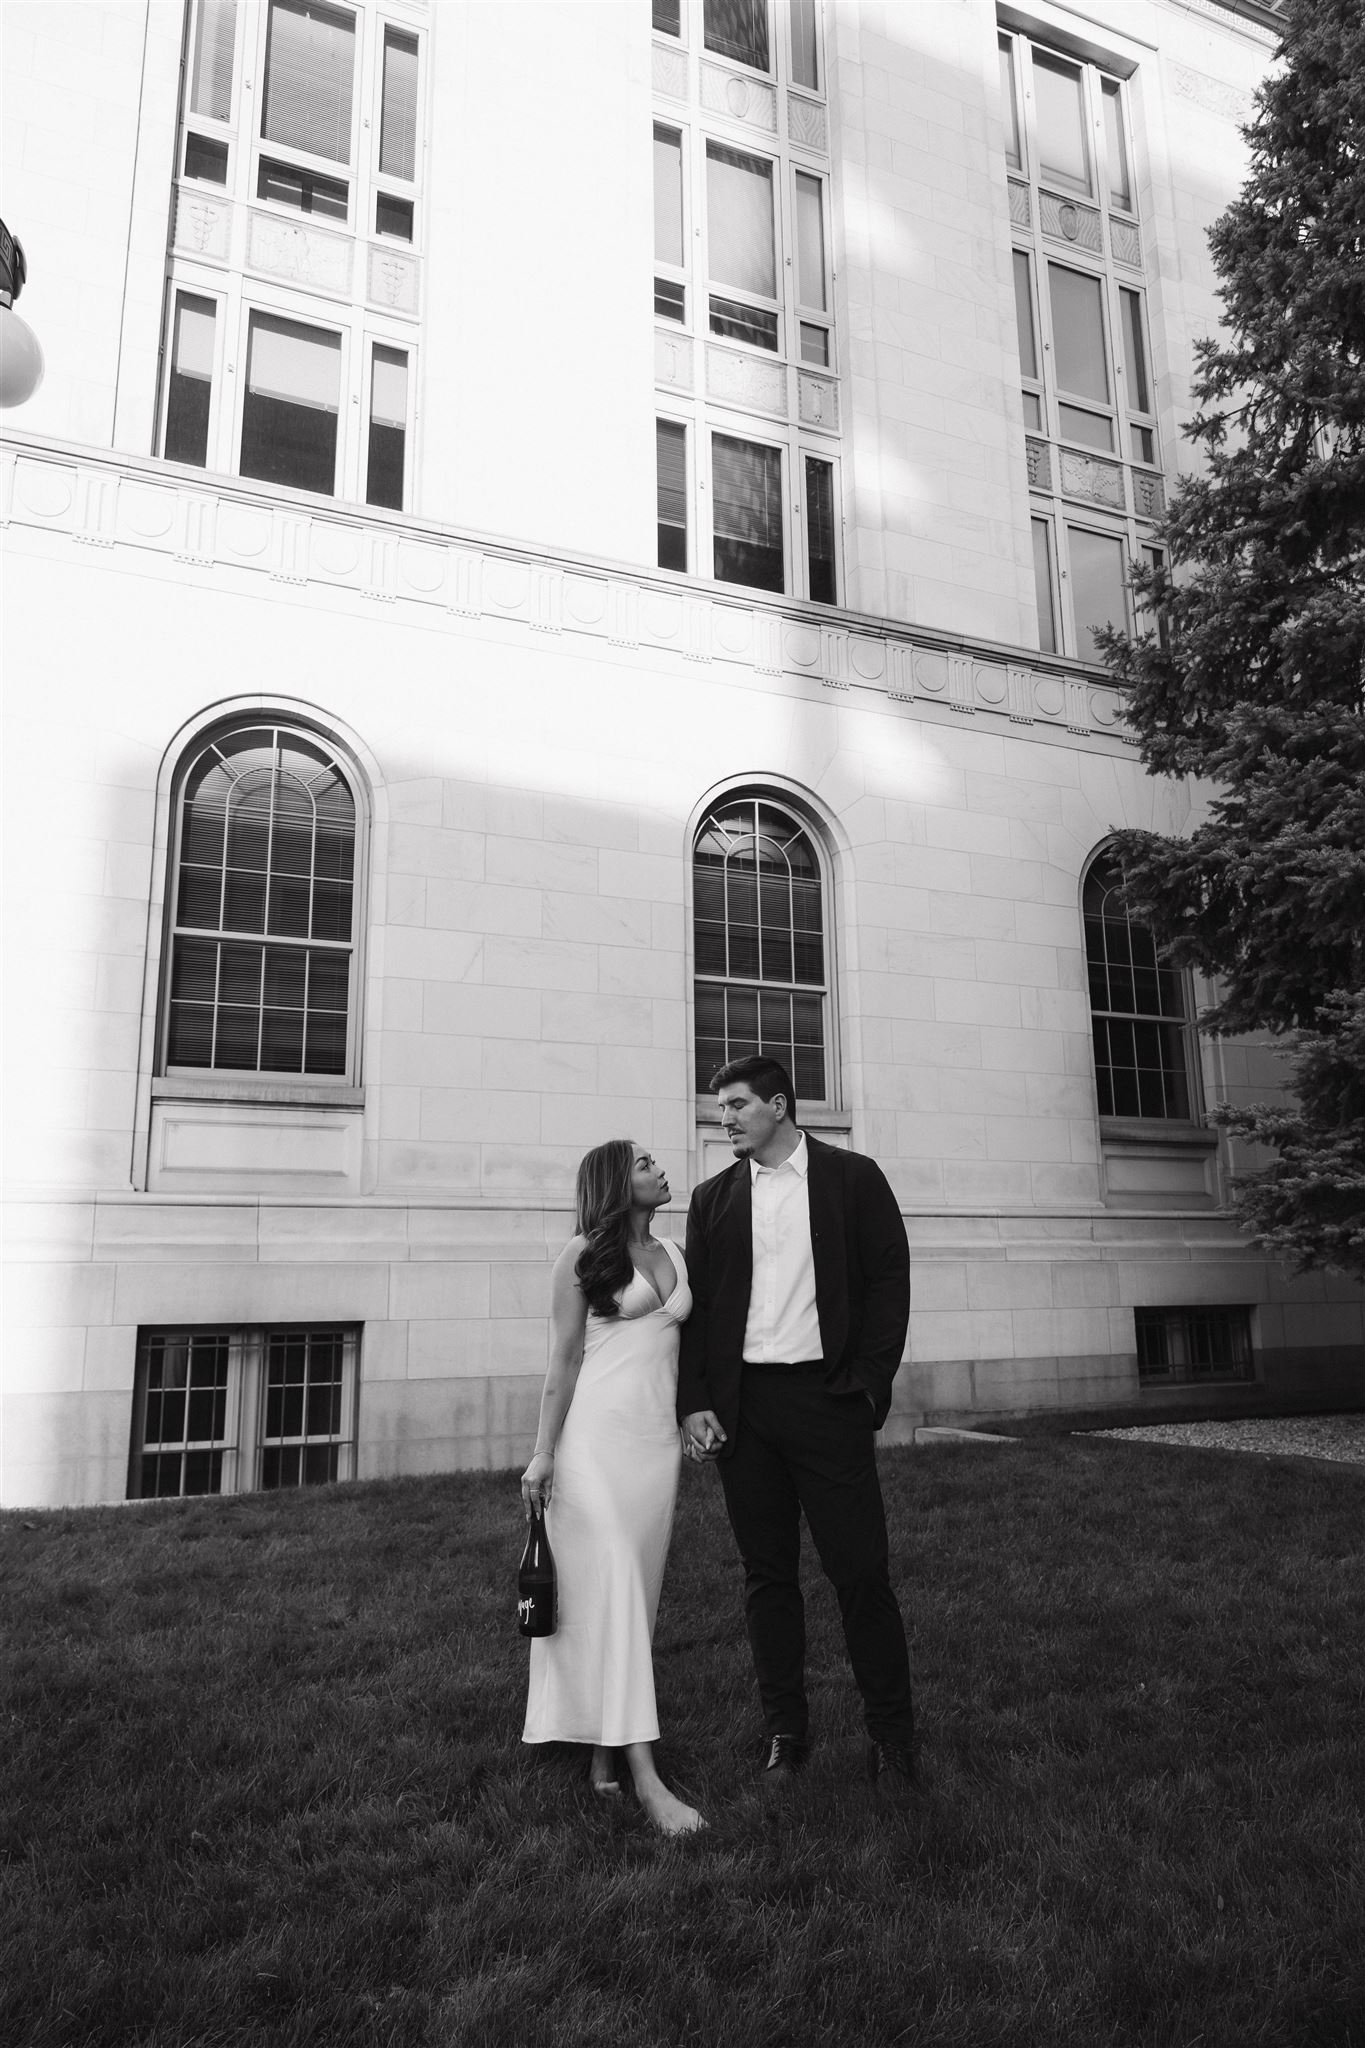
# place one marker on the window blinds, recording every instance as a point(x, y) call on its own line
point(746, 491)
point(211, 89)
point(309, 67)
point(398, 114)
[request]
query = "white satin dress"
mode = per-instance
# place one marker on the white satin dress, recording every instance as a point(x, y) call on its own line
point(609, 1521)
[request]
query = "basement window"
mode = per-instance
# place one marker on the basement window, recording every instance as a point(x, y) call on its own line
point(1192, 1346)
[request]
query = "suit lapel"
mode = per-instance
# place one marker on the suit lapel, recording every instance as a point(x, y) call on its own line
point(739, 1219)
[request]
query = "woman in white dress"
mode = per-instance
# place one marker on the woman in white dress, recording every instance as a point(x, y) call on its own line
point(606, 1467)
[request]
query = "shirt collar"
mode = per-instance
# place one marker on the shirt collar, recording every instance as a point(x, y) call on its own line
point(799, 1160)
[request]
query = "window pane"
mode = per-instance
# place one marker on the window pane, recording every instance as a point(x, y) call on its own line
point(743, 323)
point(393, 216)
point(810, 243)
point(820, 529)
point(1091, 429)
point(398, 112)
point(746, 494)
point(1064, 158)
point(670, 299)
point(1078, 333)
point(310, 60)
point(191, 381)
point(1033, 412)
point(289, 418)
point(805, 44)
point(287, 185)
point(670, 442)
point(668, 196)
point(1042, 583)
point(668, 17)
point(1139, 391)
point(738, 29)
point(1097, 587)
point(1023, 315)
point(814, 344)
point(388, 428)
point(1009, 105)
point(206, 158)
point(1115, 149)
point(739, 219)
point(211, 87)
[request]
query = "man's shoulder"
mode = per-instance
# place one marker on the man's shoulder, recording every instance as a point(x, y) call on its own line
point(709, 1191)
point(853, 1165)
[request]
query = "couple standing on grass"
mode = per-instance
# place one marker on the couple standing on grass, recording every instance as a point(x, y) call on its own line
point(773, 1347)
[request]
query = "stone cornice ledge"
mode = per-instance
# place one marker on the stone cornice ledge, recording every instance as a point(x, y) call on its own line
point(203, 521)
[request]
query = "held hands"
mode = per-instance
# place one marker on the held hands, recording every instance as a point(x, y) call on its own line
point(538, 1482)
point(702, 1434)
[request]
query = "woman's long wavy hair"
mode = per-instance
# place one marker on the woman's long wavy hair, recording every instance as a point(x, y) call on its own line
point(603, 1195)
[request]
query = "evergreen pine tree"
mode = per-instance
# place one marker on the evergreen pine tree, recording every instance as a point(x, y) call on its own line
point(1257, 681)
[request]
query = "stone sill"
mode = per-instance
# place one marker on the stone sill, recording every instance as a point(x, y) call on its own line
point(1174, 1137)
point(256, 1093)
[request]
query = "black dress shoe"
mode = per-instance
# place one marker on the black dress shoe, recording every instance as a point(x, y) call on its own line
point(891, 1768)
point(786, 1755)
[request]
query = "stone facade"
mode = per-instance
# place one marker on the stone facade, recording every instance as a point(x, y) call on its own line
point(537, 720)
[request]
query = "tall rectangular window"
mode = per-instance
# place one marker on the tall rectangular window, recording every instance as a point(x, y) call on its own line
point(190, 385)
point(811, 293)
point(293, 394)
point(820, 531)
point(1042, 584)
point(1028, 341)
point(1079, 352)
point(668, 195)
point(309, 71)
point(805, 44)
point(1009, 105)
point(670, 445)
point(1116, 148)
point(738, 29)
point(742, 253)
point(211, 72)
point(388, 427)
point(398, 107)
point(1098, 587)
point(1059, 102)
point(746, 513)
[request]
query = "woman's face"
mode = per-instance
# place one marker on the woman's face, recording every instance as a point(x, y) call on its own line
point(648, 1181)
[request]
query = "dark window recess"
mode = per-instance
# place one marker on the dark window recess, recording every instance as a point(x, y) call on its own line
point(1137, 1007)
point(206, 159)
point(388, 428)
point(738, 29)
point(671, 450)
point(180, 1415)
point(300, 1444)
point(820, 529)
point(668, 17)
point(1181, 1346)
point(746, 511)
point(393, 217)
point(744, 323)
point(670, 300)
point(289, 415)
point(190, 386)
point(290, 186)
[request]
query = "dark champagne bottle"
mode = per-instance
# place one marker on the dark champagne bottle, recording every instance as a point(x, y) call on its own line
point(536, 1581)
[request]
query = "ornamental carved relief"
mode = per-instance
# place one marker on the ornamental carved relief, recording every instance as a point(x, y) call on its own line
point(283, 249)
point(743, 99)
point(1083, 476)
point(806, 123)
point(739, 380)
point(1065, 221)
point(203, 227)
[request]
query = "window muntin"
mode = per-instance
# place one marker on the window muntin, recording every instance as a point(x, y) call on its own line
point(670, 440)
point(293, 396)
point(189, 390)
point(746, 513)
point(309, 78)
point(737, 29)
point(760, 956)
point(1138, 1010)
point(262, 953)
point(232, 1410)
point(1187, 1346)
point(388, 427)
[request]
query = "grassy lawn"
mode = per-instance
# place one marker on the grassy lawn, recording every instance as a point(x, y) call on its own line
point(263, 1782)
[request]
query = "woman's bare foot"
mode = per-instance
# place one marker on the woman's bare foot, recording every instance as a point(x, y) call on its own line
point(602, 1774)
point(668, 1813)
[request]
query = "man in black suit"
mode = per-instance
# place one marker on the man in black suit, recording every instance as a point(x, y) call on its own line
point(800, 1277)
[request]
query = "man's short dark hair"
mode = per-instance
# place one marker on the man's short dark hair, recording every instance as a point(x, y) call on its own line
point(767, 1077)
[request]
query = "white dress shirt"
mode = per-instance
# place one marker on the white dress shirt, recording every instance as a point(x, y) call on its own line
point(783, 1326)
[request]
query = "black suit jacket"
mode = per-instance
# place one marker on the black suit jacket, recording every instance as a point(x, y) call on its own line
point(862, 1282)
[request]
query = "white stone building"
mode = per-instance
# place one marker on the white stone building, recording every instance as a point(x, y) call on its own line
point(450, 704)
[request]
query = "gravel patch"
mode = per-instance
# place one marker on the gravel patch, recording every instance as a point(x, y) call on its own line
point(1339, 1437)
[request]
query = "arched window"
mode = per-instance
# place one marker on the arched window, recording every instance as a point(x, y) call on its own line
point(262, 951)
point(761, 960)
point(1137, 1005)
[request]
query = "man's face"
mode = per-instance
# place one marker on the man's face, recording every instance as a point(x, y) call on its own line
point(746, 1119)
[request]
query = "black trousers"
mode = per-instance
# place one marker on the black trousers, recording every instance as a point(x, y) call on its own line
point(800, 1449)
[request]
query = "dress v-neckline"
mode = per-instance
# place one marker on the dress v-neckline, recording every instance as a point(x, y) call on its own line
point(661, 1300)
